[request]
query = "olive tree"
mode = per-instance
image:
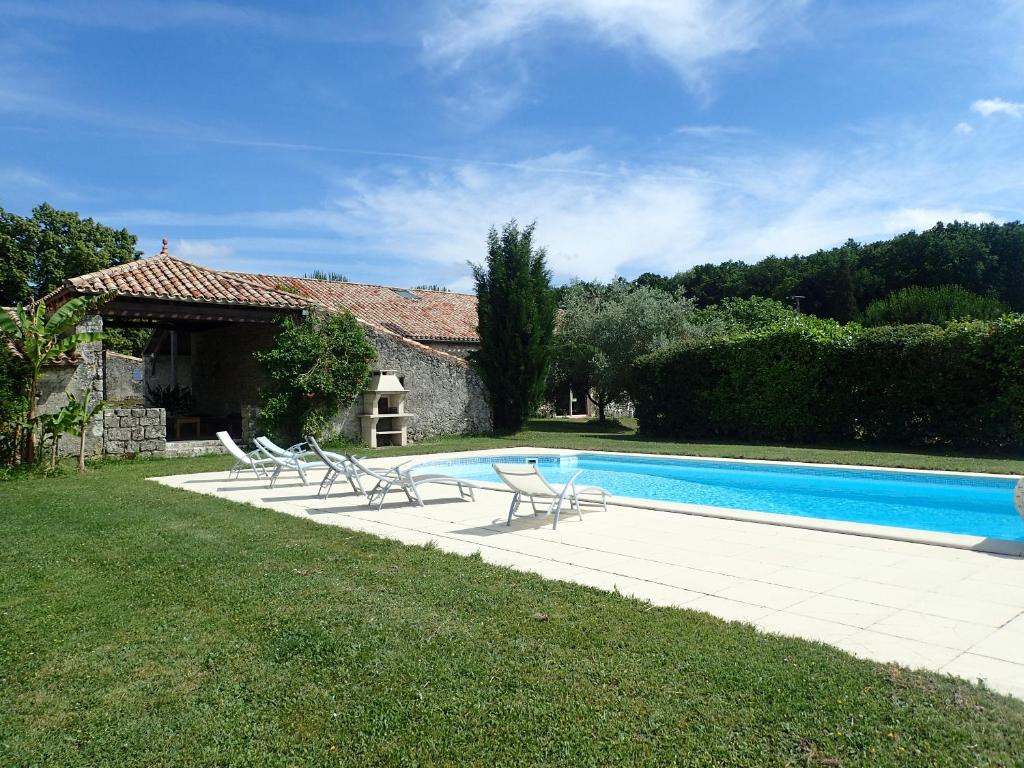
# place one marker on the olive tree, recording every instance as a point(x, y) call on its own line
point(603, 329)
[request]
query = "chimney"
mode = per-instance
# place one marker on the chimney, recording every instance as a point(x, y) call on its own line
point(163, 249)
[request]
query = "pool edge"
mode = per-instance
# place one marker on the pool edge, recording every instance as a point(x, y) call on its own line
point(1004, 547)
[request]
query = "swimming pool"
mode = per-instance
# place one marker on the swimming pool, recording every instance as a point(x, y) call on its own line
point(946, 503)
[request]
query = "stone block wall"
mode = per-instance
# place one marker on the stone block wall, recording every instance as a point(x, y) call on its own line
point(122, 377)
point(134, 431)
point(85, 375)
point(445, 394)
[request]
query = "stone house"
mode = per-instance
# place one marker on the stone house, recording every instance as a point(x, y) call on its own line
point(207, 323)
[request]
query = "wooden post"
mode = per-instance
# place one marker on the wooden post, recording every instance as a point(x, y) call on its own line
point(174, 358)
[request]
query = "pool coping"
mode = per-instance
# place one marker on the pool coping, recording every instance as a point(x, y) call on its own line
point(892, 533)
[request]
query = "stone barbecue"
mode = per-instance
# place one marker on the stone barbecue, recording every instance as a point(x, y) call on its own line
point(384, 420)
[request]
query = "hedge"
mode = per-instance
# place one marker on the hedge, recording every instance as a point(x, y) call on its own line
point(811, 380)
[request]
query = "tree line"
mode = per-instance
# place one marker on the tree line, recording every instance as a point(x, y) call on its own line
point(840, 283)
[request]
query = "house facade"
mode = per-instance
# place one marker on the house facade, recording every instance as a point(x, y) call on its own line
point(199, 368)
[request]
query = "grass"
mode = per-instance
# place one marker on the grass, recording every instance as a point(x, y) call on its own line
point(143, 625)
point(622, 436)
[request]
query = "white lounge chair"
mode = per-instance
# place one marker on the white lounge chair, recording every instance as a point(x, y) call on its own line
point(526, 480)
point(257, 461)
point(273, 448)
point(293, 464)
point(403, 479)
point(337, 465)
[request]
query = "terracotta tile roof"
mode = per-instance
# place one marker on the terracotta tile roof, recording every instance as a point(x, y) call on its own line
point(430, 316)
point(165, 277)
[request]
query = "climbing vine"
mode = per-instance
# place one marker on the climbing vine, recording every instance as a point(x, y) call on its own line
point(316, 368)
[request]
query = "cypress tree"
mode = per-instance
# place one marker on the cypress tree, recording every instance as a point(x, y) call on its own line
point(516, 317)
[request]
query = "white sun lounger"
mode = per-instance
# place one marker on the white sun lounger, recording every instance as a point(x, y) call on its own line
point(274, 449)
point(292, 463)
point(526, 480)
point(337, 465)
point(257, 461)
point(407, 480)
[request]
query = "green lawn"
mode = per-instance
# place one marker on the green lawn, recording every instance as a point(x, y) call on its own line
point(142, 625)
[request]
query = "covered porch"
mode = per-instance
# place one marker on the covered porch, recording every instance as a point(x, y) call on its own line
point(199, 363)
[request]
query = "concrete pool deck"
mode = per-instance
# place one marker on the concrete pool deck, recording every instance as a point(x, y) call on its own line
point(919, 605)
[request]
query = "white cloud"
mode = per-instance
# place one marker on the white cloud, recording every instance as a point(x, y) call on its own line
point(997, 106)
point(687, 34)
point(420, 222)
point(713, 131)
point(964, 129)
point(923, 218)
point(202, 250)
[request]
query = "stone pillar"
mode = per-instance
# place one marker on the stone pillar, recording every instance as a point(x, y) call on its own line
point(84, 375)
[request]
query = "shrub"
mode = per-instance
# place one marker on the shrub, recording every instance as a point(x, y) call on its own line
point(735, 315)
point(934, 305)
point(13, 382)
point(316, 368)
point(812, 381)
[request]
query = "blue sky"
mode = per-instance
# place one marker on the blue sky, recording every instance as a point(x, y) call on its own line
point(383, 139)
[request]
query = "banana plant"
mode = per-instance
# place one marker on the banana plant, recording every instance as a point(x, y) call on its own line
point(50, 429)
point(37, 339)
point(78, 414)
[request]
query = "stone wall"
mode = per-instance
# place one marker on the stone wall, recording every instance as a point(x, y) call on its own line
point(78, 378)
point(445, 394)
point(119, 377)
point(458, 349)
point(134, 431)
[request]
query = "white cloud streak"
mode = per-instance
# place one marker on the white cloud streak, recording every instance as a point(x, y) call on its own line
point(688, 35)
point(599, 219)
point(713, 131)
point(203, 250)
point(997, 106)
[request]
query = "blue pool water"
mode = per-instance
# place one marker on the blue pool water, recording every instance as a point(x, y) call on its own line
point(946, 503)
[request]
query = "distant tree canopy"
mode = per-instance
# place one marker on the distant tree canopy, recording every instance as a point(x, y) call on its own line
point(934, 306)
point(328, 276)
point(840, 283)
point(39, 253)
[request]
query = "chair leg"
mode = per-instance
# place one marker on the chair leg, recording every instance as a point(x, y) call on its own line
point(383, 494)
point(327, 481)
point(512, 508)
point(413, 493)
point(556, 507)
point(357, 484)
